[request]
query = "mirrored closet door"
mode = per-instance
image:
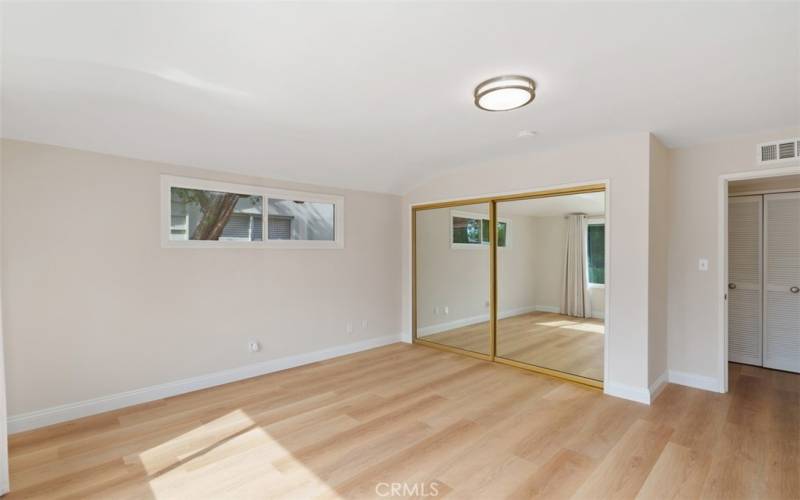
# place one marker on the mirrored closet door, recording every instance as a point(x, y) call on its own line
point(452, 277)
point(551, 283)
point(517, 279)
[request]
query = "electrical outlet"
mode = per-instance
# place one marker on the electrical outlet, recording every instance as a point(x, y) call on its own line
point(702, 264)
point(254, 346)
point(349, 327)
point(364, 324)
point(446, 310)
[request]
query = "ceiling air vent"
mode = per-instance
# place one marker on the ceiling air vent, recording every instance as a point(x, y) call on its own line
point(778, 151)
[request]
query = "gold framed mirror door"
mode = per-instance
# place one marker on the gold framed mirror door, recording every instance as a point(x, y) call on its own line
point(453, 279)
point(497, 294)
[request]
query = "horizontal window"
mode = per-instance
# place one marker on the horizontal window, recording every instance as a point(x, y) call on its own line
point(470, 230)
point(198, 213)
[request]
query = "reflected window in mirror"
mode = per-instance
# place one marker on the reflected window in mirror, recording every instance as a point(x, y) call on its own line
point(596, 252)
point(469, 230)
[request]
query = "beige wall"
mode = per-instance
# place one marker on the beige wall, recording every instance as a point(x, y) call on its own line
point(550, 243)
point(624, 161)
point(4, 485)
point(693, 323)
point(658, 248)
point(94, 306)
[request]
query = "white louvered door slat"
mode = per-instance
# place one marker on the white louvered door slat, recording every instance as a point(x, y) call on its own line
point(782, 281)
point(744, 275)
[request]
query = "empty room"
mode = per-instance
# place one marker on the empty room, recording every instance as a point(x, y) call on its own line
point(402, 249)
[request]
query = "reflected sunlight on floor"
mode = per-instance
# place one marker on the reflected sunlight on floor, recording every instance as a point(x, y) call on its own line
point(574, 325)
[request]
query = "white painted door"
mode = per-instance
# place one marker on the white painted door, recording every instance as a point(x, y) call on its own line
point(744, 276)
point(782, 281)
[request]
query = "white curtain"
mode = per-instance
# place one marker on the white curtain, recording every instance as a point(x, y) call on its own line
point(575, 296)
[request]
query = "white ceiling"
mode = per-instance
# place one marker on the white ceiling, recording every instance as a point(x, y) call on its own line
point(377, 96)
point(586, 203)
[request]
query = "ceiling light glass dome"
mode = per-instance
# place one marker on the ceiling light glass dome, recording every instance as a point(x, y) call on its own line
point(504, 93)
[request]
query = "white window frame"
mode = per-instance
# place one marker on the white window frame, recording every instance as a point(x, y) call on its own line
point(590, 221)
point(184, 228)
point(170, 181)
point(483, 244)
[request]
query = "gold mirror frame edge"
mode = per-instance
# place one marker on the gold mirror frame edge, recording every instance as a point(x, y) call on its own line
point(492, 200)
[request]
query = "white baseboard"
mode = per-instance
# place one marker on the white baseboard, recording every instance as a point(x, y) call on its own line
point(693, 380)
point(71, 411)
point(450, 325)
point(658, 386)
point(637, 394)
point(473, 320)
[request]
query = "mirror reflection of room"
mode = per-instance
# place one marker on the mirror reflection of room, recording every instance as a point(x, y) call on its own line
point(551, 283)
point(452, 270)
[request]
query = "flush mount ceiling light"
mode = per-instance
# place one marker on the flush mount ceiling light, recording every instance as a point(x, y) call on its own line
point(504, 93)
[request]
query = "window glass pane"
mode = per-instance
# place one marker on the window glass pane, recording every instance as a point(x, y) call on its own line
point(301, 220)
point(597, 251)
point(280, 227)
point(485, 230)
point(501, 234)
point(198, 214)
point(466, 230)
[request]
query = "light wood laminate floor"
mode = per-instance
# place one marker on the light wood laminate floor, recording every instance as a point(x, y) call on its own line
point(555, 341)
point(418, 416)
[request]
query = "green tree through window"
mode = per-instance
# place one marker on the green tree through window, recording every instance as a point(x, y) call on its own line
point(596, 250)
point(467, 230)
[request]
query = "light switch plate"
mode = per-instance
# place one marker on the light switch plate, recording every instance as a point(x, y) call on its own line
point(702, 265)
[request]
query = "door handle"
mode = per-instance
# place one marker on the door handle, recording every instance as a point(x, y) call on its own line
point(794, 289)
point(732, 286)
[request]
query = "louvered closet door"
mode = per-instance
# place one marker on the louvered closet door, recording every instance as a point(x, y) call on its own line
point(782, 281)
point(744, 276)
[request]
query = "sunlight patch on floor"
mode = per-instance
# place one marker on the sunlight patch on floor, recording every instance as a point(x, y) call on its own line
point(197, 440)
point(559, 323)
point(235, 448)
point(574, 325)
point(586, 327)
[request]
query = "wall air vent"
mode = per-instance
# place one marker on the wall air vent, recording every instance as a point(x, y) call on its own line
point(779, 151)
